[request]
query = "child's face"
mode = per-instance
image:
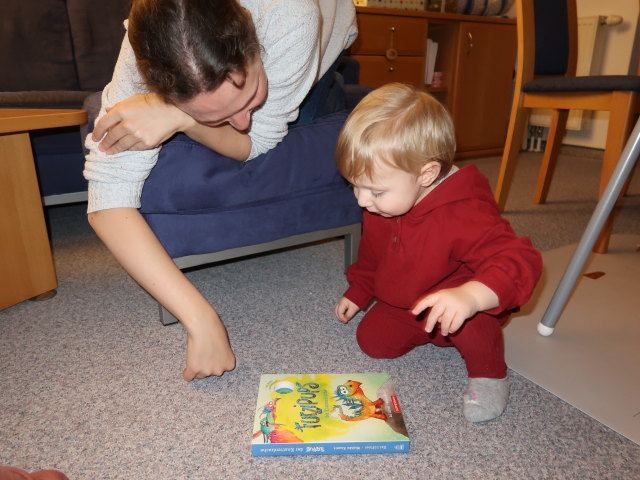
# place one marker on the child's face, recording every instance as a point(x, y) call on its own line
point(391, 191)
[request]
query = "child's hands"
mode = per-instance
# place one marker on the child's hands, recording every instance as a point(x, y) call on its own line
point(208, 351)
point(453, 306)
point(345, 309)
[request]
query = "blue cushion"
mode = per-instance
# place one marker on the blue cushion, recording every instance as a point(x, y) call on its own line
point(59, 160)
point(197, 201)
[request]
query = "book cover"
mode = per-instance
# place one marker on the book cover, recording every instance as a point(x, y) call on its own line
point(316, 414)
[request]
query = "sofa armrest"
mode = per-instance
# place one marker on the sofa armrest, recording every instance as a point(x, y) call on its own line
point(43, 99)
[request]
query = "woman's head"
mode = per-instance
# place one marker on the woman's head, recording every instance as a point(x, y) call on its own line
point(189, 48)
point(400, 126)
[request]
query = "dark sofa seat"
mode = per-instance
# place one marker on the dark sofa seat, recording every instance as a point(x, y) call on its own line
point(197, 201)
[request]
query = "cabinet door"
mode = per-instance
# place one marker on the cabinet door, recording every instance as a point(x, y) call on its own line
point(483, 85)
point(376, 71)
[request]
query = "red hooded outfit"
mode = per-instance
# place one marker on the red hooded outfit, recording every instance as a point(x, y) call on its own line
point(454, 235)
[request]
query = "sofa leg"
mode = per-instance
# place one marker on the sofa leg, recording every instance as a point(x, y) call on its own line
point(351, 233)
point(166, 317)
point(351, 244)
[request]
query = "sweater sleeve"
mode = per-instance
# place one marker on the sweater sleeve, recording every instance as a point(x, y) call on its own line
point(116, 180)
point(290, 38)
point(507, 264)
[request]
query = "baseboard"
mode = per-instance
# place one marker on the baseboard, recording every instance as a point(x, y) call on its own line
point(578, 151)
point(63, 198)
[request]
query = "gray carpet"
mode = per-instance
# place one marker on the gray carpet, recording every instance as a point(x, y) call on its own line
point(90, 380)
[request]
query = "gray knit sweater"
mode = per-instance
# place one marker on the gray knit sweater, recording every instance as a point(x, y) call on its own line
point(300, 40)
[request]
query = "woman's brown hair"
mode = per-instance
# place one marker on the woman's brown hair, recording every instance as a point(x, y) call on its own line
point(187, 47)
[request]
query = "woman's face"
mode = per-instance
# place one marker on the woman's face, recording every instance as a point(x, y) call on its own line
point(233, 102)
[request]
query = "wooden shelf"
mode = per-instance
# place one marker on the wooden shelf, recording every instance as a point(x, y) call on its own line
point(436, 89)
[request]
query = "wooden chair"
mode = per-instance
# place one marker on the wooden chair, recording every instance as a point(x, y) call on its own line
point(545, 78)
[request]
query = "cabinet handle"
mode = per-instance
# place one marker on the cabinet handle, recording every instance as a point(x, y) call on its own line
point(469, 43)
point(391, 69)
point(391, 52)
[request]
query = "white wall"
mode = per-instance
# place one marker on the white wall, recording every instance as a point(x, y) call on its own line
point(618, 53)
point(616, 60)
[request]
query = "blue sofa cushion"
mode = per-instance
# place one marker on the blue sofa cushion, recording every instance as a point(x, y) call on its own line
point(59, 160)
point(197, 201)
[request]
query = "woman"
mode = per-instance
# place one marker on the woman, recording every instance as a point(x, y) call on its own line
point(231, 75)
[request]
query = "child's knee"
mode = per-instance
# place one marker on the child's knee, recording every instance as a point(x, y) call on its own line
point(375, 346)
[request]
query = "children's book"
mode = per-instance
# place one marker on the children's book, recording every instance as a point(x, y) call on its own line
point(316, 414)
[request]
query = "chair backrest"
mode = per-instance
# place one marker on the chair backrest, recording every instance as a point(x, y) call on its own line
point(555, 24)
point(547, 38)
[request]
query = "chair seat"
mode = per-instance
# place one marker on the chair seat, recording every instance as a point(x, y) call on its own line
point(592, 83)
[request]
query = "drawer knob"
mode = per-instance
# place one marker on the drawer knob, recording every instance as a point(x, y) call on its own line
point(392, 69)
point(391, 54)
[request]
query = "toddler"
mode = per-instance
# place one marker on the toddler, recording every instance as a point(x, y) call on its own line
point(437, 257)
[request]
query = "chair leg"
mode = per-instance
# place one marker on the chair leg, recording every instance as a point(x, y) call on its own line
point(351, 244)
point(166, 317)
point(513, 144)
point(550, 157)
point(621, 119)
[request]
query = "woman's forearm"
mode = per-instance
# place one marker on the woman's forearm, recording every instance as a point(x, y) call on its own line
point(129, 238)
point(144, 121)
point(131, 241)
point(224, 139)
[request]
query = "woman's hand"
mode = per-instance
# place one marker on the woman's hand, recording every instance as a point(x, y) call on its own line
point(128, 236)
point(208, 350)
point(140, 122)
point(345, 309)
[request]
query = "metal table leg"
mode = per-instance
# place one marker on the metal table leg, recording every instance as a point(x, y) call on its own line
point(603, 209)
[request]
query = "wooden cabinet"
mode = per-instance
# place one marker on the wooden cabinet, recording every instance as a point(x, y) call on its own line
point(476, 55)
point(390, 48)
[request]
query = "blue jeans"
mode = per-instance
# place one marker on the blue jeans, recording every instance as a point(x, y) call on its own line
point(325, 97)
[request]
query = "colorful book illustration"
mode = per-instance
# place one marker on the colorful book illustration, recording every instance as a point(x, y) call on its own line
point(316, 414)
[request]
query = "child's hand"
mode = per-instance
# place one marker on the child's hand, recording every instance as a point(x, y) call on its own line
point(208, 351)
point(345, 309)
point(453, 306)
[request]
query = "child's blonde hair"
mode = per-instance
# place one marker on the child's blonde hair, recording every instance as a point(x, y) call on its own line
point(397, 124)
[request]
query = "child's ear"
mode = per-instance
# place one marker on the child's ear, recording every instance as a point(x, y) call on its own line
point(429, 172)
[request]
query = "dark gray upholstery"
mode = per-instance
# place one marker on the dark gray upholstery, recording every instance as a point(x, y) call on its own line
point(593, 83)
point(54, 53)
point(552, 53)
point(552, 37)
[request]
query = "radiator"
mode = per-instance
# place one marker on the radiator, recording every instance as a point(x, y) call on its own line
point(591, 38)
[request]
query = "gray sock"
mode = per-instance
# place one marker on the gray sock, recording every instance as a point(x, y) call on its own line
point(486, 398)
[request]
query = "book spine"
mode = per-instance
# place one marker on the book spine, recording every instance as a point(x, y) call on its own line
point(274, 449)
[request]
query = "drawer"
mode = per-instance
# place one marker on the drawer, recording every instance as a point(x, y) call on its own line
point(377, 70)
point(378, 33)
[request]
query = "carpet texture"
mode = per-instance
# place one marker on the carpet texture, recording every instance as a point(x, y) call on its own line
point(91, 385)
